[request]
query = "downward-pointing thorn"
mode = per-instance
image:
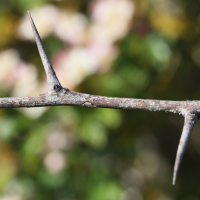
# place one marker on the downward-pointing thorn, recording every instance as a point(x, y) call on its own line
point(190, 120)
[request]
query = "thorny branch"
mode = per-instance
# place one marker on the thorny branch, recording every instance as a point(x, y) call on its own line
point(57, 96)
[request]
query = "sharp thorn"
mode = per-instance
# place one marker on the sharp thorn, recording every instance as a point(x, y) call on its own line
point(50, 73)
point(190, 120)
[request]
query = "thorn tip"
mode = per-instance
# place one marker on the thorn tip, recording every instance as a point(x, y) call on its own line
point(174, 180)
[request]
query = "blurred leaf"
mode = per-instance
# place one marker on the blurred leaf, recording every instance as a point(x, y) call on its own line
point(51, 180)
point(7, 128)
point(7, 27)
point(159, 49)
point(32, 148)
point(108, 190)
point(6, 5)
point(8, 165)
point(173, 25)
point(24, 5)
point(93, 133)
point(110, 117)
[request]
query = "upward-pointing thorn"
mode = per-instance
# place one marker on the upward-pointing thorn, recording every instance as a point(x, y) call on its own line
point(50, 73)
point(190, 120)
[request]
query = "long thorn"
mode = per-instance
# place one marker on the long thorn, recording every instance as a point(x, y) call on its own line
point(50, 73)
point(190, 120)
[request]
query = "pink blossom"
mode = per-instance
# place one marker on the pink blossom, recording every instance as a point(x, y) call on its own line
point(71, 28)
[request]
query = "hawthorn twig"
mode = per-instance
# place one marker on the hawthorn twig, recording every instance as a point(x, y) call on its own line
point(59, 96)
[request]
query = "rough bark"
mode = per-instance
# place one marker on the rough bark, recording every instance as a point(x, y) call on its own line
point(66, 97)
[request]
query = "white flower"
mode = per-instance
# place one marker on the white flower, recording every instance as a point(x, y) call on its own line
point(9, 60)
point(111, 18)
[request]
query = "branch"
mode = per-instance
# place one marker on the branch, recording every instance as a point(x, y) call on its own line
point(59, 96)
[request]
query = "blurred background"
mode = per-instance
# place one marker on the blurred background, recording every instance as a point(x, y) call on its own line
point(123, 48)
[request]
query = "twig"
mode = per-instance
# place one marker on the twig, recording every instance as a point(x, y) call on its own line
point(59, 96)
